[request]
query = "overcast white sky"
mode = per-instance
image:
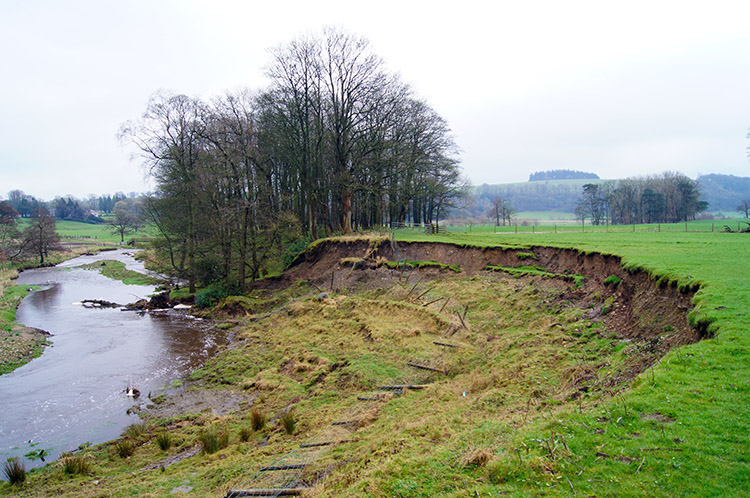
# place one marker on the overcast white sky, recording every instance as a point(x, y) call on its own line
point(618, 89)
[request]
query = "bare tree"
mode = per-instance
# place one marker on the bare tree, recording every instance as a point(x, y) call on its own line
point(502, 210)
point(40, 236)
point(169, 138)
point(122, 223)
point(744, 208)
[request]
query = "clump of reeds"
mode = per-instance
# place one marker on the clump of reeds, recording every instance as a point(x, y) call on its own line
point(213, 441)
point(75, 464)
point(164, 440)
point(288, 422)
point(14, 471)
point(258, 419)
point(245, 433)
point(124, 448)
point(134, 431)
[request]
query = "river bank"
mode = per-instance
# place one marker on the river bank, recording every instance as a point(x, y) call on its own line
point(18, 344)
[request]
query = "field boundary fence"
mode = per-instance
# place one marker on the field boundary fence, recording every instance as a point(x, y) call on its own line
point(531, 227)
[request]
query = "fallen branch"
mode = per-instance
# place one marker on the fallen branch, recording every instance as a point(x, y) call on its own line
point(430, 302)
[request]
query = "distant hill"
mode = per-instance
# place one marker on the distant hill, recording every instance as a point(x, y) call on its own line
point(724, 192)
point(561, 174)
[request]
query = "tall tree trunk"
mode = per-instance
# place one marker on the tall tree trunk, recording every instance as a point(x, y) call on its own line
point(347, 225)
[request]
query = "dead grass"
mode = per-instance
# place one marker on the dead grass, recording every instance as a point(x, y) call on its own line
point(476, 457)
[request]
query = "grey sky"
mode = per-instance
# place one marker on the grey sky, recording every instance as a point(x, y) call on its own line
point(617, 89)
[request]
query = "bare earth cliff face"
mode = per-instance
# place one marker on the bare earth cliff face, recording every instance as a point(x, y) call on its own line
point(652, 313)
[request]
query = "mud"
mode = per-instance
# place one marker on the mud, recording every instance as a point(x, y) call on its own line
point(217, 402)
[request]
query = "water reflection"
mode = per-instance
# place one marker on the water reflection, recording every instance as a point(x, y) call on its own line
point(73, 393)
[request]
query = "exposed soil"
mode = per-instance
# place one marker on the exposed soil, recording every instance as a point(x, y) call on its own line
point(215, 401)
point(653, 315)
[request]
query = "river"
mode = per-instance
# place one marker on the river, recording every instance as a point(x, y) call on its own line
point(74, 392)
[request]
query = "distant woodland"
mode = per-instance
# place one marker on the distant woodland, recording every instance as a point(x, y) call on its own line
point(562, 174)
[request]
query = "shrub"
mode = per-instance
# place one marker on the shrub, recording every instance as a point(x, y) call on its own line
point(124, 448)
point(78, 464)
point(164, 440)
point(211, 295)
point(14, 471)
point(258, 419)
point(245, 433)
point(288, 423)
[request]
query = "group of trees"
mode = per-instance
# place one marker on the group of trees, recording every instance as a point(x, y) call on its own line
point(502, 211)
point(335, 143)
point(37, 239)
point(666, 198)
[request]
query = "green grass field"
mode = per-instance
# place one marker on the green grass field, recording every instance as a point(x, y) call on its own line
point(683, 429)
point(533, 225)
point(101, 233)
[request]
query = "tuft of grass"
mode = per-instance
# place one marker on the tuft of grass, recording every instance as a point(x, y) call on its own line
point(212, 441)
point(134, 431)
point(164, 441)
point(288, 423)
point(245, 433)
point(258, 419)
point(14, 471)
point(124, 448)
point(76, 464)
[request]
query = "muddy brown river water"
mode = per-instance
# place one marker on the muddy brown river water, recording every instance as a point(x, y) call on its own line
point(74, 392)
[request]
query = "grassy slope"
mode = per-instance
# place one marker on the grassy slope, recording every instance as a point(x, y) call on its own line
point(703, 388)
